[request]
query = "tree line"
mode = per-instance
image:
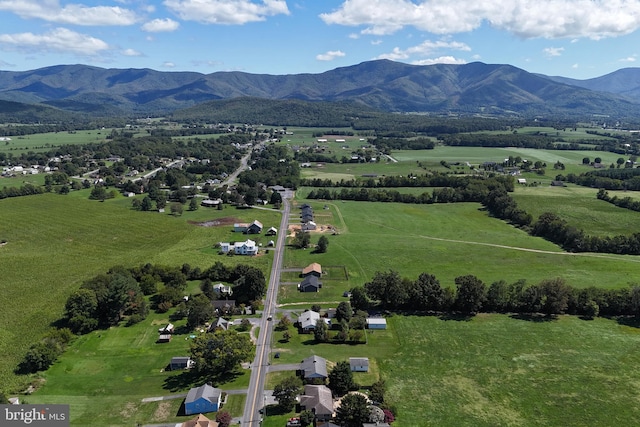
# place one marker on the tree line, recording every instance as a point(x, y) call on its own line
point(621, 202)
point(471, 295)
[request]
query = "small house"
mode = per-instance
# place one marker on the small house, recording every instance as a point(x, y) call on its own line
point(307, 321)
point(272, 231)
point(313, 367)
point(376, 323)
point(202, 399)
point(180, 362)
point(211, 203)
point(310, 284)
point(224, 307)
point(309, 226)
point(254, 228)
point(164, 338)
point(359, 364)
point(317, 399)
point(222, 289)
point(313, 269)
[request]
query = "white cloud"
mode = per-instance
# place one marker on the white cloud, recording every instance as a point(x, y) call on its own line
point(160, 25)
point(74, 14)
point(376, 42)
point(131, 52)
point(168, 64)
point(330, 55)
point(575, 66)
point(631, 58)
point(56, 40)
point(593, 19)
point(440, 60)
point(226, 11)
point(553, 51)
point(425, 48)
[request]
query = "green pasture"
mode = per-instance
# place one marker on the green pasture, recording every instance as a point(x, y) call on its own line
point(492, 370)
point(447, 240)
point(21, 180)
point(568, 134)
point(119, 367)
point(55, 242)
point(46, 141)
point(580, 208)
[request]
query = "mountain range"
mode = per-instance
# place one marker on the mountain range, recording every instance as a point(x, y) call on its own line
point(474, 88)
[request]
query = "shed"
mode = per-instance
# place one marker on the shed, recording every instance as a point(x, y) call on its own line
point(359, 364)
point(313, 269)
point(180, 362)
point(272, 231)
point(254, 228)
point(376, 323)
point(164, 338)
point(202, 399)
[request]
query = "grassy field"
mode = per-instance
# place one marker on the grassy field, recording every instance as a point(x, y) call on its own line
point(56, 242)
point(45, 141)
point(493, 370)
point(580, 208)
point(447, 240)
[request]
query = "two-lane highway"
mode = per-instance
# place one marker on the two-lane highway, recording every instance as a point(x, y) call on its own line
point(255, 394)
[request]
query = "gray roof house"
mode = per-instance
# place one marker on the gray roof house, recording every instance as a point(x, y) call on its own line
point(359, 364)
point(307, 320)
point(180, 362)
point(317, 399)
point(313, 367)
point(310, 284)
point(202, 399)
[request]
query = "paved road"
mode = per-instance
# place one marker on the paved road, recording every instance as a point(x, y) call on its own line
point(257, 397)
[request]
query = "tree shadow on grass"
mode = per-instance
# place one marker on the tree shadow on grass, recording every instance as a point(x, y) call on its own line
point(458, 317)
point(534, 317)
point(631, 321)
point(180, 382)
point(274, 409)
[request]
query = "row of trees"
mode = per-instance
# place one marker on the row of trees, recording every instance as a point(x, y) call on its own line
point(471, 295)
point(621, 202)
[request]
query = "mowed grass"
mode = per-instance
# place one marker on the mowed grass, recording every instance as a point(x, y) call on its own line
point(497, 371)
point(447, 240)
point(54, 243)
point(580, 208)
point(106, 374)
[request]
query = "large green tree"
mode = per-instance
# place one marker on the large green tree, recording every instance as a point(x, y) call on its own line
point(353, 410)
point(219, 353)
point(471, 293)
point(199, 310)
point(321, 331)
point(286, 391)
point(341, 378)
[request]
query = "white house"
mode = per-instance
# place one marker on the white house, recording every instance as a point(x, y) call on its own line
point(240, 248)
point(222, 289)
point(359, 364)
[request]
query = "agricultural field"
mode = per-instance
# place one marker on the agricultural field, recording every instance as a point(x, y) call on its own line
point(447, 240)
point(580, 208)
point(492, 370)
point(55, 242)
point(46, 141)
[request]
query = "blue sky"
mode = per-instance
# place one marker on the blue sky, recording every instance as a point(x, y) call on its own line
point(572, 38)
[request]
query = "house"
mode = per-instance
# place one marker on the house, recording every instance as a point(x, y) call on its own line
point(376, 323)
point(164, 338)
point(254, 228)
point(222, 323)
point(522, 181)
point(272, 231)
point(313, 367)
point(222, 289)
point(166, 329)
point(239, 248)
point(309, 226)
point(313, 269)
point(317, 399)
point(224, 306)
point(180, 362)
point(310, 284)
point(307, 320)
point(359, 364)
point(202, 399)
point(210, 203)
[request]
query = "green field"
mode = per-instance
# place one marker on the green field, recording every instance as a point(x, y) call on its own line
point(54, 243)
point(46, 141)
point(447, 240)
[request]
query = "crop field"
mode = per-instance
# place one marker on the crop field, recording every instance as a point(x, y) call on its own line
point(567, 134)
point(580, 208)
point(447, 240)
point(54, 243)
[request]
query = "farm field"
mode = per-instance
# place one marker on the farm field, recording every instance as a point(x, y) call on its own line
point(447, 240)
point(580, 208)
point(45, 141)
point(493, 370)
point(54, 243)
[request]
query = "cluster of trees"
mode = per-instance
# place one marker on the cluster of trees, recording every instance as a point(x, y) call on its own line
point(25, 190)
point(42, 354)
point(471, 295)
point(608, 179)
point(349, 325)
point(621, 202)
point(387, 144)
point(272, 165)
point(217, 354)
